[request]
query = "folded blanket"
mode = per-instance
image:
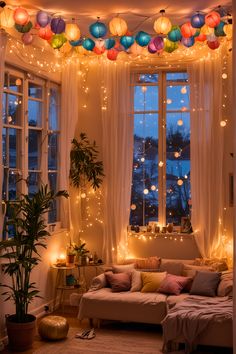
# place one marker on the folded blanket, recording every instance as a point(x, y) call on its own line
point(190, 317)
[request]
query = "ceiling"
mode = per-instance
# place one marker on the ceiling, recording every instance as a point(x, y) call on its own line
point(139, 14)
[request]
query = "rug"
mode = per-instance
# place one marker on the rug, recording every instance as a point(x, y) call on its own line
point(113, 340)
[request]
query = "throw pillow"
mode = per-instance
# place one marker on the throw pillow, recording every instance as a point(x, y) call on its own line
point(119, 282)
point(136, 281)
point(173, 284)
point(191, 270)
point(151, 281)
point(205, 283)
point(148, 263)
point(170, 267)
point(218, 264)
point(123, 268)
point(98, 282)
point(225, 287)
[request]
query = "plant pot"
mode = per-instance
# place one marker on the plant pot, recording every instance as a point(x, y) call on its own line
point(84, 260)
point(70, 258)
point(20, 335)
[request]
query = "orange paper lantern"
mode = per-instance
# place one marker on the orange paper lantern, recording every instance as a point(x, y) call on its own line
point(187, 30)
point(212, 19)
point(72, 32)
point(21, 16)
point(45, 33)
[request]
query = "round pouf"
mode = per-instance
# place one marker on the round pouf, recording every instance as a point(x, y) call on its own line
point(53, 327)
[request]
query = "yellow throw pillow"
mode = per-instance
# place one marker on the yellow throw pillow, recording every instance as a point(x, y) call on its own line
point(151, 281)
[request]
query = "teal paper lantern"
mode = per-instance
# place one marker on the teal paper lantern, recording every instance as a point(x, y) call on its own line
point(127, 41)
point(76, 43)
point(198, 20)
point(88, 44)
point(219, 30)
point(175, 34)
point(109, 43)
point(57, 41)
point(98, 29)
point(24, 28)
point(143, 38)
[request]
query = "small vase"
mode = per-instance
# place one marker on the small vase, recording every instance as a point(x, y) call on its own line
point(170, 227)
point(70, 258)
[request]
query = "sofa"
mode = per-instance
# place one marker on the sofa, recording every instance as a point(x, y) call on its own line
point(139, 301)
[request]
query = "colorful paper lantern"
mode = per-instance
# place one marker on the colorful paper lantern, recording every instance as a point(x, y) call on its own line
point(207, 30)
point(151, 47)
point(27, 38)
point(213, 44)
point(118, 26)
point(58, 25)
point(21, 16)
point(112, 54)
point(24, 28)
point(6, 18)
point(43, 18)
point(143, 38)
point(158, 43)
point(45, 33)
point(197, 20)
point(219, 30)
point(72, 32)
point(170, 46)
point(57, 41)
point(98, 29)
point(162, 25)
point(88, 44)
point(76, 43)
point(212, 19)
point(187, 42)
point(99, 50)
point(187, 30)
point(126, 41)
point(175, 34)
point(109, 43)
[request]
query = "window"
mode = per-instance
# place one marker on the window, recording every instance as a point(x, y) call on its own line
point(30, 135)
point(161, 159)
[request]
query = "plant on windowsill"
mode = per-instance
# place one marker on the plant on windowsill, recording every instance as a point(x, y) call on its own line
point(21, 252)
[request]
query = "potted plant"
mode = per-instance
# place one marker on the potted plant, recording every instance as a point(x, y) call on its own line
point(81, 253)
point(21, 252)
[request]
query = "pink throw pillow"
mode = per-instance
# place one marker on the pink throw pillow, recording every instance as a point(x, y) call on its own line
point(173, 284)
point(119, 282)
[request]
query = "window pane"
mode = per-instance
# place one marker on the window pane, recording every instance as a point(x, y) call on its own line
point(177, 166)
point(144, 207)
point(52, 215)
point(34, 149)
point(33, 183)
point(34, 113)
point(52, 151)
point(35, 91)
point(146, 98)
point(15, 84)
point(147, 78)
point(178, 77)
point(14, 141)
point(12, 109)
point(53, 109)
point(177, 98)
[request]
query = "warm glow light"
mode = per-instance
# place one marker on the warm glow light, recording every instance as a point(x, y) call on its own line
point(183, 90)
point(224, 76)
point(6, 18)
point(153, 188)
point(168, 101)
point(180, 122)
point(161, 163)
point(142, 159)
point(177, 154)
point(21, 16)
point(180, 182)
point(162, 25)
point(83, 195)
point(133, 207)
point(118, 26)
point(72, 32)
point(145, 191)
point(144, 88)
point(223, 123)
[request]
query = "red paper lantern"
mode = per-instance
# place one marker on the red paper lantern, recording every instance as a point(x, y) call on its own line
point(21, 16)
point(45, 33)
point(187, 30)
point(213, 44)
point(98, 50)
point(212, 19)
point(201, 37)
point(112, 54)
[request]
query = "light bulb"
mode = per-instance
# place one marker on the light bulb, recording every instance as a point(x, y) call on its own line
point(133, 207)
point(223, 123)
point(183, 90)
point(145, 191)
point(161, 163)
point(153, 188)
point(180, 182)
point(180, 122)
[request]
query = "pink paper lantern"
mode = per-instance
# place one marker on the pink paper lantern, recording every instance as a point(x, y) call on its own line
point(27, 38)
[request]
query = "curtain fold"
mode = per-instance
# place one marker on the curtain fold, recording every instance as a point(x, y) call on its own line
point(3, 43)
point(206, 154)
point(117, 130)
point(69, 117)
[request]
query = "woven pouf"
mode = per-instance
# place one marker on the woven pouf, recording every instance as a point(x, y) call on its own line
point(53, 327)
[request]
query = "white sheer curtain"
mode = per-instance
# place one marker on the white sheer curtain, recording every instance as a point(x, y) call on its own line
point(206, 154)
point(3, 42)
point(69, 117)
point(117, 125)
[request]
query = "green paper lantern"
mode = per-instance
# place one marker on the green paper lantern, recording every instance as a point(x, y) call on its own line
point(57, 41)
point(170, 46)
point(24, 28)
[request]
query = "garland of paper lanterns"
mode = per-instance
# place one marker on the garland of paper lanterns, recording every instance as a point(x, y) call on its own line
point(201, 28)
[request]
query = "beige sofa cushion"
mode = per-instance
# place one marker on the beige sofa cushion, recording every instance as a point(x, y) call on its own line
point(225, 287)
point(190, 270)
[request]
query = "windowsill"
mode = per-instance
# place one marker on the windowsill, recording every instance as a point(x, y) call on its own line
point(166, 235)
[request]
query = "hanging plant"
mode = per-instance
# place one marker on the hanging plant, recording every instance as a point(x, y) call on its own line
point(84, 166)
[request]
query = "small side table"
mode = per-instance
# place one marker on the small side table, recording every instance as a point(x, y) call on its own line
point(60, 285)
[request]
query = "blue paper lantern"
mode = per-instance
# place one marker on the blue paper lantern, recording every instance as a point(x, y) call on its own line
point(76, 43)
point(127, 41)
point(98, 29)
point(188, 42)
point(58, 25)
point(175, 34)
point(88, 44)
point(198, 20)
point(109, 43)
point(43, 18)
point(142, 38)
point(219, 30)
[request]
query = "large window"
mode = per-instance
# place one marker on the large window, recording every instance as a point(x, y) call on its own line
point(161, 160)
point(30, 135)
